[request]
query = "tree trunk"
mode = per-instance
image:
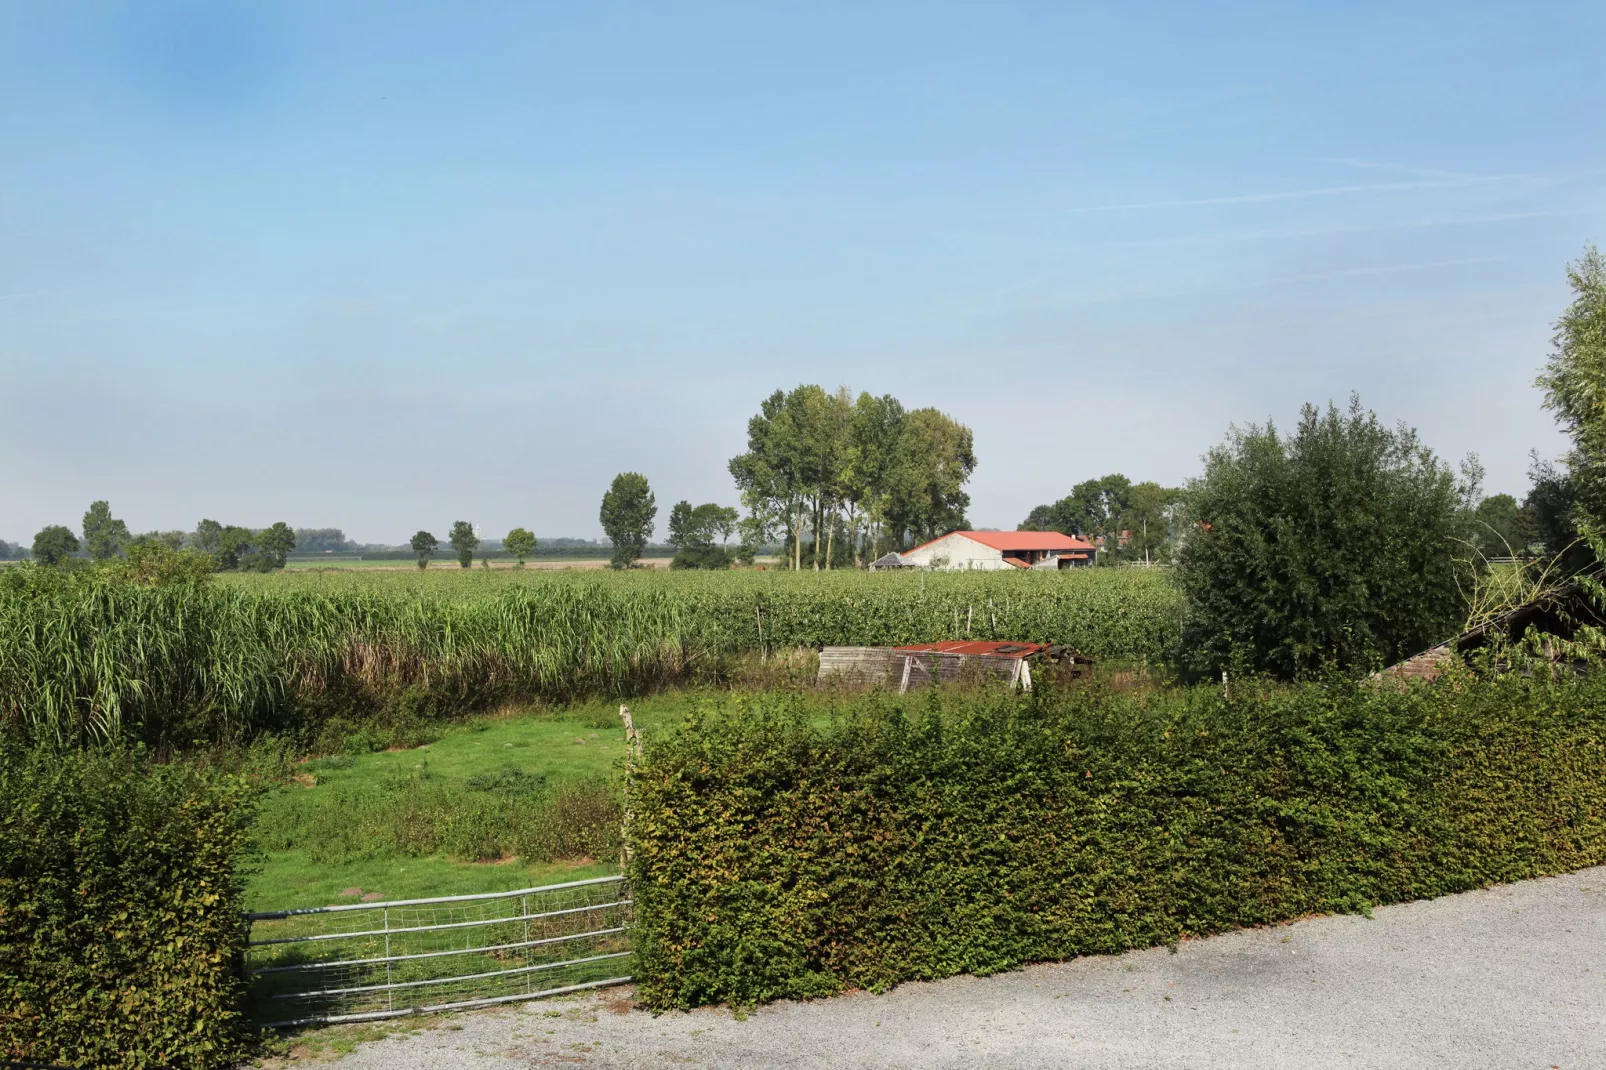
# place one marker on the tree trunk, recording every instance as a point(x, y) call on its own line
point(830, 538)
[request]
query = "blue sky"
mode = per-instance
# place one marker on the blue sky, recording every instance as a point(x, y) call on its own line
point(386, 266)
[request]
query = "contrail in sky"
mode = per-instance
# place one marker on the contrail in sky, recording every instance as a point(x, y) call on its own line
point(1304, 194)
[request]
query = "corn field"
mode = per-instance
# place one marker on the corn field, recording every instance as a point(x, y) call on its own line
point(182, 664)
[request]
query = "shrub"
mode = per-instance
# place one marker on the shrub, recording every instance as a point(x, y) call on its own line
point(918, 839)
point(120, 928)
point(1338, 544)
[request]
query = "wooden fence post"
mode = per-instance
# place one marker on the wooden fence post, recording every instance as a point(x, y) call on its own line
point(632, 757)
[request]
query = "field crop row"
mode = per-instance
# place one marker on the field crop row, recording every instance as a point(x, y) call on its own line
point(187, 663)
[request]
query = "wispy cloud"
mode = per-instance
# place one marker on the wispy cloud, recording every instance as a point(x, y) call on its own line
point(1399, 168)
point(1364, 228)
point(1155, 293)
point(1348, 273)
point(1307, 194)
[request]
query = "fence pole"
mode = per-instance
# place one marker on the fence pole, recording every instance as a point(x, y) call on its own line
point(632, 755)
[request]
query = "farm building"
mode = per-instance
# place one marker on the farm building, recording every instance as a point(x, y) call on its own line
point(1001, 550)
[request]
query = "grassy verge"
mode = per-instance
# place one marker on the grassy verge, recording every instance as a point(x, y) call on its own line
point(492, 804)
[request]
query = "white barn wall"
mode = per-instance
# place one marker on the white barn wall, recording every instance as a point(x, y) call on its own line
point(962, 553)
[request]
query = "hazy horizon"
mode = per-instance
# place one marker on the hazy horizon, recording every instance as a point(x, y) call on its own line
point(381, 269)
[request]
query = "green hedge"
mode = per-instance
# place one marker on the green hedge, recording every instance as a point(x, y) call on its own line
point(950, 834)
point(120, 928)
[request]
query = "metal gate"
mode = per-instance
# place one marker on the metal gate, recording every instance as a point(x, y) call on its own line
point(415, 956)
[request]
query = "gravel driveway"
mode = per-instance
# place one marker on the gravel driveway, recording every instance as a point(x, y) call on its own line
point(1506, 977)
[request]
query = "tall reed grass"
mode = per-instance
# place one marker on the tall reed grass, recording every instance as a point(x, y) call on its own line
point(82, 657)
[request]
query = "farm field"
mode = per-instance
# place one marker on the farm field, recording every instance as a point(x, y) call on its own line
point(252, 653)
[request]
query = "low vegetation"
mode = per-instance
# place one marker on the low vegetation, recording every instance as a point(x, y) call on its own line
point(85, 658)
point(914, 839)
point(121, 883)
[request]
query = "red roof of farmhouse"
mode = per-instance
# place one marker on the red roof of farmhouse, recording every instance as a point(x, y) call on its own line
point(1017, 541)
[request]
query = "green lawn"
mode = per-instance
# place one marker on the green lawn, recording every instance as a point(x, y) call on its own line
point(338, 834)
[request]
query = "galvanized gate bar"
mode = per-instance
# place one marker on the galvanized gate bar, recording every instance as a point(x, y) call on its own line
point(331, 1019)
point(430, 945)
point(318, 993)
point(274, 915)
point(440, 954)
point(443, 925)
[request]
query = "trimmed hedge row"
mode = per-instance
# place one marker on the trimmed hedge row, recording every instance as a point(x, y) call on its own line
point(915, 839)
point(120, 925)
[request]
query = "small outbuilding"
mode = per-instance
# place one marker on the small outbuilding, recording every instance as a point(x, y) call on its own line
point(1556, 618)
point(888, 561)
point(907, 668)
point(996, 550)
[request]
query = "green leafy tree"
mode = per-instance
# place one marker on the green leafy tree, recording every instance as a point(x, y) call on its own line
point(1502, 527)
point(1095, 508)
point(692, 533)
point(680, 524)
point(104, 535)
point(276, 543)
point(935, 459)
point(54, 545)
point(1338, 544)
point(628, 512)
point(1151, 512)
point(1574, 381)
point(520, 543)
point(234, 547)
point(875, 433)
point(208, 537)
point(465, 542)
point(770, 474)
point(838, 477)
point(424, 545)
point(711, 521)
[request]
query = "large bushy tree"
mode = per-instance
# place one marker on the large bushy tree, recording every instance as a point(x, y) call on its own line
point(692, 533)
point(208, 537)
point(627, 515)
point(233, 547)
point(424, 545)
point(1502, 527)
point(1568, 502)
point(275, 544)
point(820, 465)
point(1342, 543)
point(465, 542)
point(54, 544)
point(104, 535)
point(520, 543)
point(1135, 521)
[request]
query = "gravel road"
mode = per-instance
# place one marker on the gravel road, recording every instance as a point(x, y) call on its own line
point(1505, 977)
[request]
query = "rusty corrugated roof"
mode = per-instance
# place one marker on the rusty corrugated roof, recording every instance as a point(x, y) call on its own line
point(988, 649)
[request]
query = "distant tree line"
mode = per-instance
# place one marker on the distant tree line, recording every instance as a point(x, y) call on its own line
point(1129, 522)
point(106, 537)
point(842, 479)
point(464, 541)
